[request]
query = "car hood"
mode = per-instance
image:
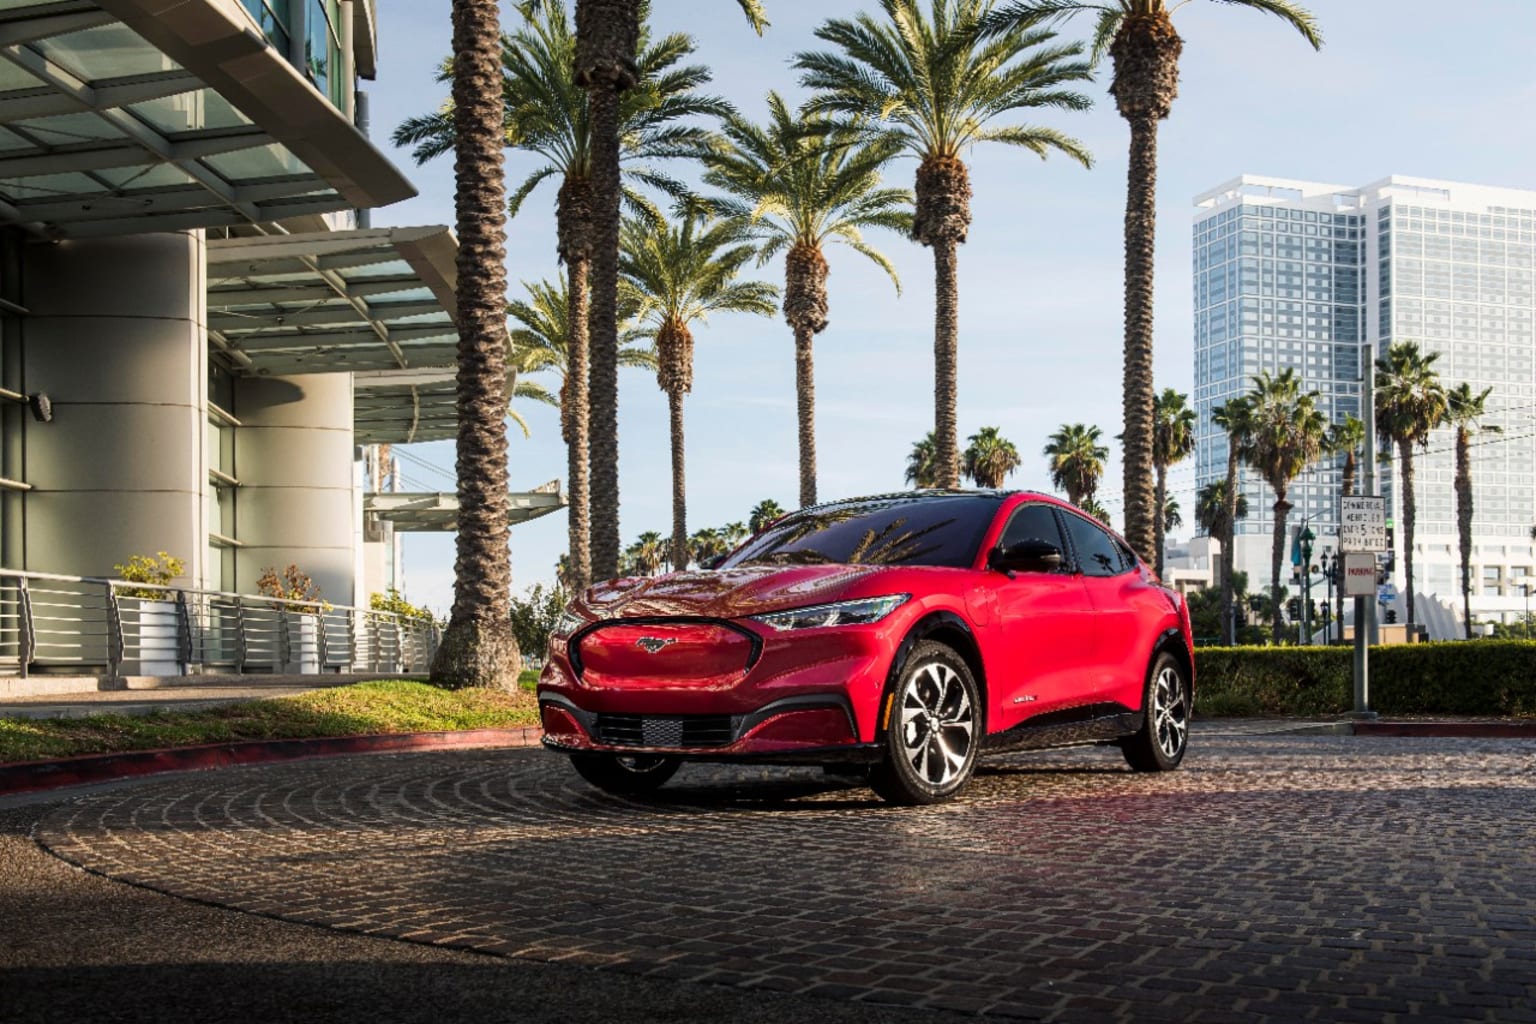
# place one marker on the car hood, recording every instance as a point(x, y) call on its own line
point(724, 593)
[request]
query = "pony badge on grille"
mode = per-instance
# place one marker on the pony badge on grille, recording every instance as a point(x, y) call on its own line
point(653, 644)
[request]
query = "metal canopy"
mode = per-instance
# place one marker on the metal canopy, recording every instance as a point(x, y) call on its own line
point(336, 302)
point(125, 116)
point(403, 406)
point(439, 513)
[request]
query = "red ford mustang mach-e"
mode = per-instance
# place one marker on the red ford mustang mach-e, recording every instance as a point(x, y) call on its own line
point(908, 633)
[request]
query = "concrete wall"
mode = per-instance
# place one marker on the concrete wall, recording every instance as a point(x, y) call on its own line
point(117, 338)
point(293, 457)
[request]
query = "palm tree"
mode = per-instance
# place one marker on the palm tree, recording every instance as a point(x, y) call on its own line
point(1173, 440)
point(607, 37)
point(682, 273)
point(1077, 461)
point(1093, 508)
point(927, 80)
point(1211, 508)
point(706, 543)
point(1235, 416)
point(1410, 403)
point(478, 647)
point(1463, 411)
point(1346, 438)
point(1288, 434)
point(763, 513)
point(734, 534)
point(540, 343)
point(990, 458)
point(800, 187)
point(651, 552)
point(547, 115)
point(1173, 515)
point(1139, 37)
point(923, 463)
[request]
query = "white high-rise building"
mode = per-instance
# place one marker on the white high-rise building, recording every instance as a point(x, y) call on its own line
point(1301, 275)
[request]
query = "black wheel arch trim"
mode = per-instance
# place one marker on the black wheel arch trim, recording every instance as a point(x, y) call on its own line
point(921, 630)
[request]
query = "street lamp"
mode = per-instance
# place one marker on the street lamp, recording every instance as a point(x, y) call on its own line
point(1328, 564)
point(1305, 539)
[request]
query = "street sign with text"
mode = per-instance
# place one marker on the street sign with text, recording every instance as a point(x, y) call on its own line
point(1359, 574)
point(1362, 524)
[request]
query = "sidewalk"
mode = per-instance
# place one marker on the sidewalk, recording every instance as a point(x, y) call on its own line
point(143, 695)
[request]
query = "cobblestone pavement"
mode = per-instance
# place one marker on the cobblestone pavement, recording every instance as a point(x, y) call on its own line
point(1273, 878)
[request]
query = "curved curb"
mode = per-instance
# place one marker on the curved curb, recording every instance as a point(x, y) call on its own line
point(1453, 730)
point(32, 776)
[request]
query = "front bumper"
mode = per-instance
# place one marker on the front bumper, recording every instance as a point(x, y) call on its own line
point(816, 692)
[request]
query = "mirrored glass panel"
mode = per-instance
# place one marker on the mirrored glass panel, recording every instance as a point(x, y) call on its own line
point(111, 51)
point(190, 112)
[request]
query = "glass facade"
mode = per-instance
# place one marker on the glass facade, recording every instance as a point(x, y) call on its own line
point(318, 23)
point(1276, 288)
point(1301, 276)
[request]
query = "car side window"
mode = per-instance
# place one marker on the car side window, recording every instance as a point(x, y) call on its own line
point(1127, 557)
point(1035, 521)
point(1097, 552)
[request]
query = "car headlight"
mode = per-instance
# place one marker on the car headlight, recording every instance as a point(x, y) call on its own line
point(841, 613)
point(567, 624)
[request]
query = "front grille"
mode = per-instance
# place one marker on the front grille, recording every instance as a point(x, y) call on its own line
point(664, 731)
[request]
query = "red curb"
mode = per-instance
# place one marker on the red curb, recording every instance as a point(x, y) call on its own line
point(1449, 730)
point(31, 776)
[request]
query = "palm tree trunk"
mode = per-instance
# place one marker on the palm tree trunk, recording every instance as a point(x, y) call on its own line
point(1228, 543)
point(805, 399)
point(1140, 245)
point(1276, 555)
point(946, 357)
point(1410, 513)
point(604, 335)
point(577, 456)
point(805, 310)
point(1347, 485)
point(479, 648)
point(607, 36)
point(679, 482)
point(1464, 521)
point(1160, 523)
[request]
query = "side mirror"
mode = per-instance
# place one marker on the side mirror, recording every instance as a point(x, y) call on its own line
point(712, 562)
point(1032, 555)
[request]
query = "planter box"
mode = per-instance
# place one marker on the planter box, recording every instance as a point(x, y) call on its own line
point(159, 639)
point(303, 645)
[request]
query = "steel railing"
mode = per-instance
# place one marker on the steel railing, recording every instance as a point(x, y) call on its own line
point(92, 624)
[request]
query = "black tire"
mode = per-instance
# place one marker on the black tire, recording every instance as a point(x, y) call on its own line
point(935, 709)
point(625, 774)
point(1159, 745)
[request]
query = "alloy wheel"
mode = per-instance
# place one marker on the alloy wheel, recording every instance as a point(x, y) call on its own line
point(1170, 712)
point(937, 724)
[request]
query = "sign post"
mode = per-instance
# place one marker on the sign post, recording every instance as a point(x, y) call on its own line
point(1362, 533)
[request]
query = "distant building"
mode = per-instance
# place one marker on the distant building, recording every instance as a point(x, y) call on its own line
point(1301, 275)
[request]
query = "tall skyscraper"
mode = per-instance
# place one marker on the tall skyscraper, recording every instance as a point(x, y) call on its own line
point(1303, 275)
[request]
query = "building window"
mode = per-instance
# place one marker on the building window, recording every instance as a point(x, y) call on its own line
point(322, 49)
point(272, 16)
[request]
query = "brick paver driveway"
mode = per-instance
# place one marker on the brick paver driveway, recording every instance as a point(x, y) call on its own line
point(1275, 877)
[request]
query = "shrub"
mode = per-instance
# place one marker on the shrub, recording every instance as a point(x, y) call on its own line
point(1483, 677)
point(393, 601)
point(292, 585)
point(160, 570)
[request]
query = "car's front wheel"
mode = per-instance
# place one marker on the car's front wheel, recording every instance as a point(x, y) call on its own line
point(1159, 745)
point(933, 731)
point(625, 774)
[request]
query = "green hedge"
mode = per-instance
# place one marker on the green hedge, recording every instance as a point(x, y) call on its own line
point(1478, 677)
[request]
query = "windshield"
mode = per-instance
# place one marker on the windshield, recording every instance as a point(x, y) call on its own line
point(944, 531)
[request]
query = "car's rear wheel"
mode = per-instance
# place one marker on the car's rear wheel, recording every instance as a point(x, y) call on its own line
point(1159, 745)
point(933, 728)
point(625, 774)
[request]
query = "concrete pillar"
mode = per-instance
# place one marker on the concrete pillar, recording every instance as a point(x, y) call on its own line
point(293, 457)
point(117, 338)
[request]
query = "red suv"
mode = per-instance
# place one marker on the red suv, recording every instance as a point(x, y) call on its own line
point(908, 633)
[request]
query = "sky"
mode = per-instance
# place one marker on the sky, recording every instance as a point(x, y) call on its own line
point(1400, 87)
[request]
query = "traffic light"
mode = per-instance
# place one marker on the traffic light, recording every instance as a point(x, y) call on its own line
point(1391, 616)
point(1293, 607)
point(1325, 611)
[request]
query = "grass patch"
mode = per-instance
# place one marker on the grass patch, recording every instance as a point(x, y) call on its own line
point(359, 710)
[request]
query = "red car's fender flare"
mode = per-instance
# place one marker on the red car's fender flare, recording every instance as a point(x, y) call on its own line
point(1172, 641)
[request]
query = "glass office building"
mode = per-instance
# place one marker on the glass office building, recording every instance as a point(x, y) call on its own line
point(1306, 276)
